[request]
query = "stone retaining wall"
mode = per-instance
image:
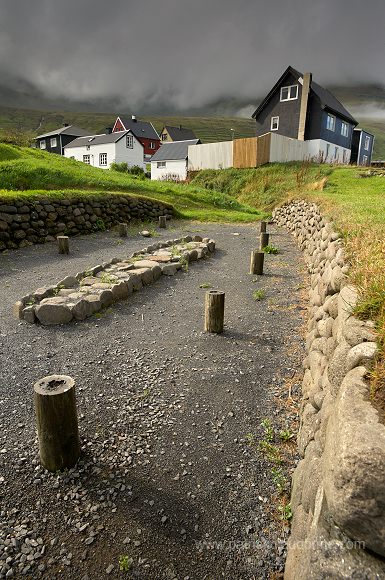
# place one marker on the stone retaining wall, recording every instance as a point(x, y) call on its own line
point(39, 219)
point(338, 491)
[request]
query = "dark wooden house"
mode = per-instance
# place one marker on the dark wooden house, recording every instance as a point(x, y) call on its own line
point(362, 147)
point(55, 141)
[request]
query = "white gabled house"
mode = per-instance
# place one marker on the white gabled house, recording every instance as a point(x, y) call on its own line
point(102, 150)
point(170, 162)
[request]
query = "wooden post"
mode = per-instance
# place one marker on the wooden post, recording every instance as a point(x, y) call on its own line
point(63, 242)
point(162, 221)
point(122, 230)
point(263, 227)
point(57, 423)
point(264, 240)
point(256, 262)
point(214, 311)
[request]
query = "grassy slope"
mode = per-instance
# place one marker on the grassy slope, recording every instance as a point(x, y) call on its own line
point(31, 172)
point(208, 129)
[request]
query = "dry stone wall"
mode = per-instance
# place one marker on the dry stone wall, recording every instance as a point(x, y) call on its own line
point(86, 293)
point(39, 219)
point(338, 491)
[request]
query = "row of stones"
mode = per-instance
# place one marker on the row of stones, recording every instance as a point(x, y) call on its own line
point(40, 220)
point(340, 350)
point(80, 296)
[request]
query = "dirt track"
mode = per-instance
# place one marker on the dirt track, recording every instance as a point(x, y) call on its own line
point(170, 417)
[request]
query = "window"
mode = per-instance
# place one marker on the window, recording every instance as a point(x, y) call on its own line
point(53, 142)
point(331, 122)
point(43, 144)
point(344, 129)
point(365, 159)
point(367, 143)
point(86, 159)
point(103, 159)
point(130, 141)
point(152, 145)
point(274, 123)
point(161, 164)
point(289, 93)
point(164, 136)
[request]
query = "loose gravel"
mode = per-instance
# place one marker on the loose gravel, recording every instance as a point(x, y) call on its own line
point(169, 485)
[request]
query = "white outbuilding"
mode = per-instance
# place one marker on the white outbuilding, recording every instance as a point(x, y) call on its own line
point(102, 150)
point(170, 162)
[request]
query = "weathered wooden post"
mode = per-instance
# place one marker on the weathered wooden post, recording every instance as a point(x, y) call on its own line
point(162, 221)
point(263, 227)
point(214, 311)
point(256, 262)
point(122, 230)
point(57, 422)
point(264, 240)
point(64, 246)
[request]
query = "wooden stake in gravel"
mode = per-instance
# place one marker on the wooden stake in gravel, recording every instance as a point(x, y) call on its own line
point(57, 422)
point(63, 242)
point(263, 227)
point(264, 240)
point(256, 262)
point(162, 221)
point(122, 230)
point(214, 311)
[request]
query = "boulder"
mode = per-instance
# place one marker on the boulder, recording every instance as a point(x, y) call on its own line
point(53, 312)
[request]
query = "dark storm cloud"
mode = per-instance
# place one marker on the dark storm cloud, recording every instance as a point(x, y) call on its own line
point(186, 53)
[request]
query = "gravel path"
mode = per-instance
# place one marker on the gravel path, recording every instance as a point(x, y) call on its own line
point(171, 481)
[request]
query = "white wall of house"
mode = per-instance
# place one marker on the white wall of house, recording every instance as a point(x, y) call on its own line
point(175, 169)
point(116, 152)
point(284, 149)
point(210, 156)
point(320, 150)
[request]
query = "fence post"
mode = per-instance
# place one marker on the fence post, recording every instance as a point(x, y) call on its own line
point(63, 242)
point(214, 311)
point(256, 262)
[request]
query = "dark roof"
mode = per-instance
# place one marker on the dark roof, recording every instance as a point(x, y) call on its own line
point(69, 130)
point(174, 150)
point(180, 133)
point(328, 101)
point(140, 128)
point(98, 139)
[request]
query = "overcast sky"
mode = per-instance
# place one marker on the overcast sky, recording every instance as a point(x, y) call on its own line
point(186, 53)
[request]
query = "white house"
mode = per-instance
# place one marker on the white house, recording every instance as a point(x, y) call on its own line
point(102, 150)
point(171, 160)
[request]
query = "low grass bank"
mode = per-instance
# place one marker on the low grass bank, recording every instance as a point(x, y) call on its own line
point(28, 172)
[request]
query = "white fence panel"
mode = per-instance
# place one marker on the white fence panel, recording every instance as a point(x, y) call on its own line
point(210, 156)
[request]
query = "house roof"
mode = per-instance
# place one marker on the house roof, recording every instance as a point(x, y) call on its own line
point(67, 130)
point(139, 128)
point(180, 133)
point(328, 101)
point(174, 150)
point(98, 139)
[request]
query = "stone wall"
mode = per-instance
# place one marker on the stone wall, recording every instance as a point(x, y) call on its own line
point(39, 219)
point(338, 491)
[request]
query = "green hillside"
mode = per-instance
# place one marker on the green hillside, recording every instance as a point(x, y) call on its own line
point(208, 129)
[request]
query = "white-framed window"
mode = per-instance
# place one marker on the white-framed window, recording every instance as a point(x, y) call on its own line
point(164, 136)
point(289, 93)
point(53, 142)
point(130, 141)
point(344, 129)
point(365, 159)
point(152, 145)
point(86, 159)
point(161, 164)
point(43, 144)
point(331, 122)
point(102, 158)
point(274, 123)
point(367, 143)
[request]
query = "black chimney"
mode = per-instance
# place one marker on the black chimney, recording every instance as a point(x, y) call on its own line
point(65, 125)
point(108, 130)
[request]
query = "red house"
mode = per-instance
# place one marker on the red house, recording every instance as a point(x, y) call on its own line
point(143, 131)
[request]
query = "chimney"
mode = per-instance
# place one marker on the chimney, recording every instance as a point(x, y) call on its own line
point(108, 130)
point(306, 81)
point(180, 127)
point(65, 125)
point(133, 118)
